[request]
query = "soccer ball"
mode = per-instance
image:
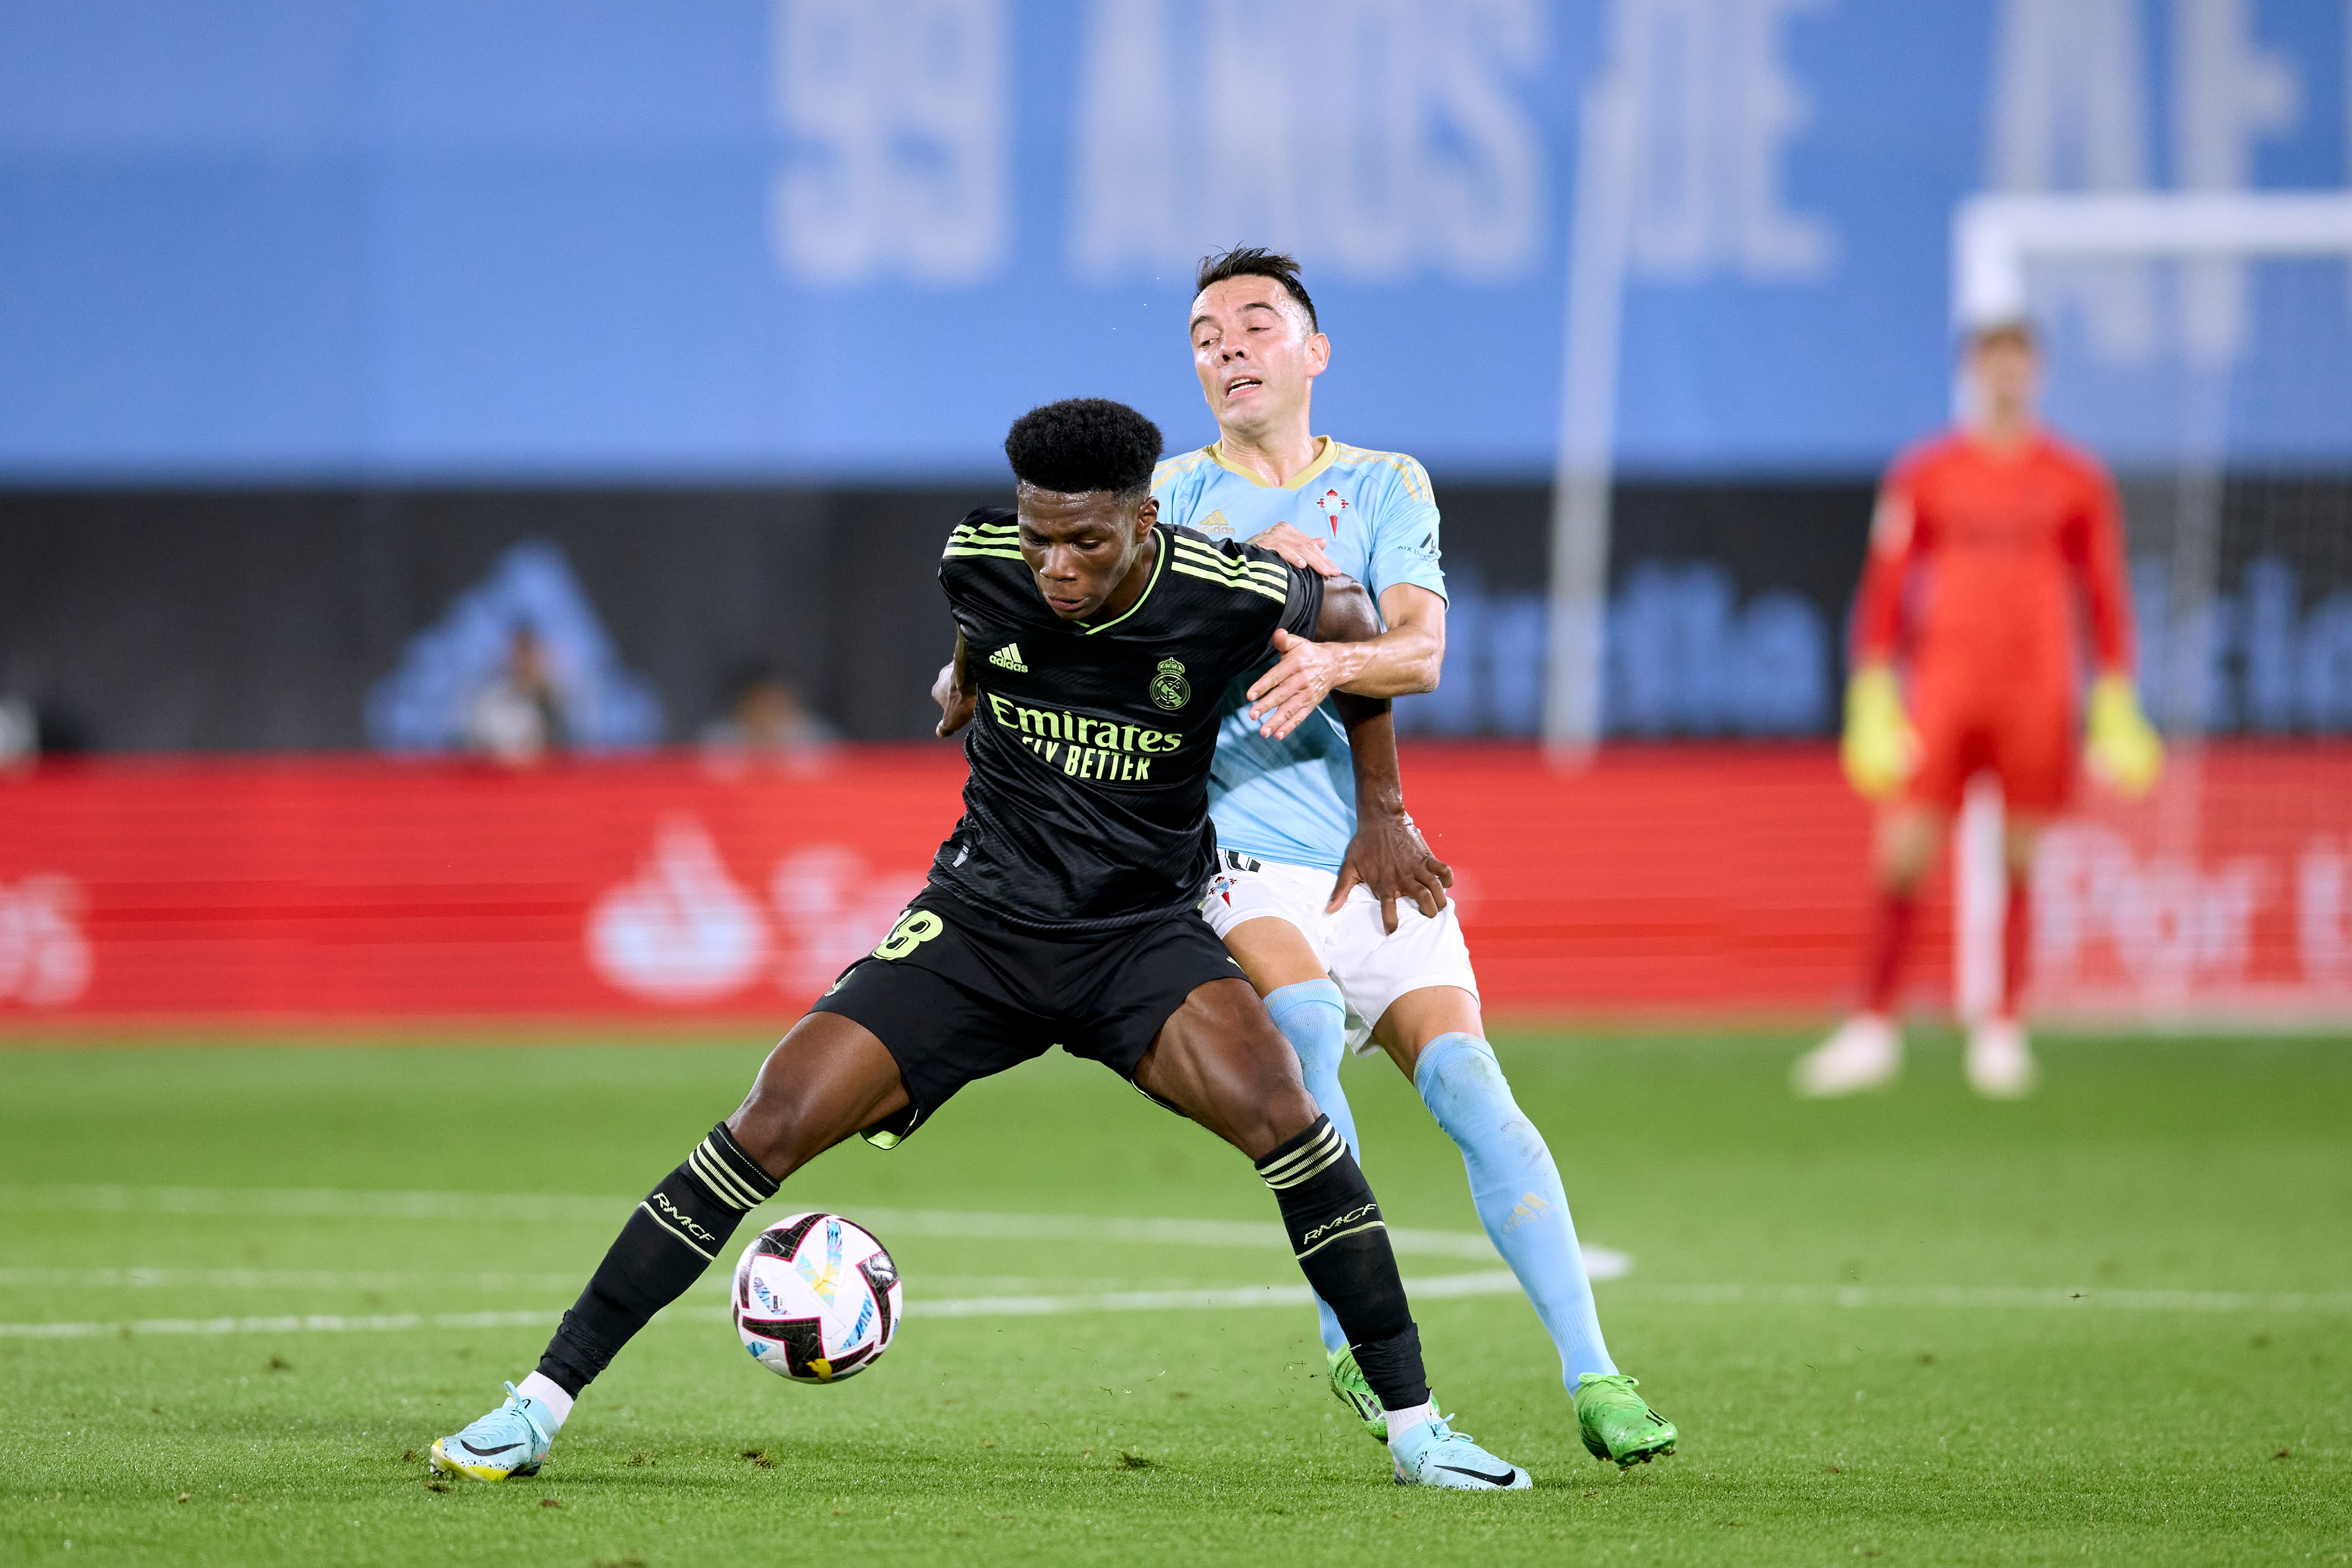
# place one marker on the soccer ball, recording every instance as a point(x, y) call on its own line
point(817, 1298)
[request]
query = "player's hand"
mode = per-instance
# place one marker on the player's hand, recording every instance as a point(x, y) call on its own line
point(2122, 749)
point(1390, 856)
point(1308, 672)
point(1296, 548)
point(1880, 748)
point(956, 702)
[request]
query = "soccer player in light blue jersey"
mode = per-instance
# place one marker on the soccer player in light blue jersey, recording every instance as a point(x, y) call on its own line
point(1307, 898)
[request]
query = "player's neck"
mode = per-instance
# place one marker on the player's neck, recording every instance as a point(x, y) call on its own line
point(2003, 434)
point(1277, 458)
point(1130, 587)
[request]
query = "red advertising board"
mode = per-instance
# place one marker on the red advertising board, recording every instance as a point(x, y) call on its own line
point(1666, 880)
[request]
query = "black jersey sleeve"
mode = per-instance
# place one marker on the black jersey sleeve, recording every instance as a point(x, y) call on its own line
point(981, 571)
point(1302, 612)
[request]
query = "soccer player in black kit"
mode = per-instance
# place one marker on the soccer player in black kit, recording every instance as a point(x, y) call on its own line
point(1092, 644)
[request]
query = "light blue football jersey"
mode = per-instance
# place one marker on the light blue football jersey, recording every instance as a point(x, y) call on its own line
point(1293, 801)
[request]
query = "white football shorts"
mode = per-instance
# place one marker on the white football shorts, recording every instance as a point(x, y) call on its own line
point(1372, 967)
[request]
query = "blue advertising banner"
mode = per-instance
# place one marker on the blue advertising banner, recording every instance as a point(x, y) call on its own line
point(846, 239)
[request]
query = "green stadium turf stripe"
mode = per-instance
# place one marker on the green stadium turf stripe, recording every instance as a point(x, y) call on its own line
point(1494, 1282)
point(331, 1202)
point(1985, 1298)
point(1491, 1282)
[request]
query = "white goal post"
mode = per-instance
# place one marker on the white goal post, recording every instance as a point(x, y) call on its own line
point(1995, 239)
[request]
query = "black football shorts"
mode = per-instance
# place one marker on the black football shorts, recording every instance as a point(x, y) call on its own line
point(955, 996)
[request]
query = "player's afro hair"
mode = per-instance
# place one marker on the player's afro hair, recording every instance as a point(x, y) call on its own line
point(1084, 444)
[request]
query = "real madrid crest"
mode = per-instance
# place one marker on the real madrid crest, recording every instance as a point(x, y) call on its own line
point(1169, 688)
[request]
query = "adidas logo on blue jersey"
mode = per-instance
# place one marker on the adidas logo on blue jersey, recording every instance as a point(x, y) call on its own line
point(1009, 658)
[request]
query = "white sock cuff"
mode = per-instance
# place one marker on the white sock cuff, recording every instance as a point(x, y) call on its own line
point(541, 1389)
point(1403, 1421)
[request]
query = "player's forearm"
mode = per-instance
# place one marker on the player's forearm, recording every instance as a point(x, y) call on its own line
point(2111, 626)
point(1402, 661)
point(1878, 598)
point(1371, 746)
point(1877, 617)
point(954, 693)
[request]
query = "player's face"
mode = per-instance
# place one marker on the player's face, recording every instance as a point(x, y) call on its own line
point(1254, 355)
point(2005, 370)
point(1082, 546)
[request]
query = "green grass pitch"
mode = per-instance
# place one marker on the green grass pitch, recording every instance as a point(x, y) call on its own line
point(1864, 1316)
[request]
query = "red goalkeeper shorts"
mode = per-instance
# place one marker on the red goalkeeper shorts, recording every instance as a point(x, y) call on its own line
point(2022, 731)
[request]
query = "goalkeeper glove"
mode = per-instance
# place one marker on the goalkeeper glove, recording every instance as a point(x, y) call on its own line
point(1880, 747)
point(2122, 749)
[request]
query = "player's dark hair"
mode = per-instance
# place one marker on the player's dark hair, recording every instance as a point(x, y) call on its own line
point(1256, 261)
point(1084, 444)
point(2016, 330)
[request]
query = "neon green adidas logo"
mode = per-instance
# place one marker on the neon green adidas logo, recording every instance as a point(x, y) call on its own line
point(1009, 658)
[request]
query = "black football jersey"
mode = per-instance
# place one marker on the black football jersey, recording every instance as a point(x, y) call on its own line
point(1088, 807)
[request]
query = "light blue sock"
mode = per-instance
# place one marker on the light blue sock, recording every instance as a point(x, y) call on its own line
point(1313, 1016)
point(1517, 1188)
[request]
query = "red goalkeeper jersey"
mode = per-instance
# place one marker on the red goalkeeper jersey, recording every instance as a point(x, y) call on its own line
point(1976, 558)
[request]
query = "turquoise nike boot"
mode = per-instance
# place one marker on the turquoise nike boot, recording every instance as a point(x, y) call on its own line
point(511, 1440)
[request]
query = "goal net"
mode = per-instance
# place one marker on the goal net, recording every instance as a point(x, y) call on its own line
point(2201, 345)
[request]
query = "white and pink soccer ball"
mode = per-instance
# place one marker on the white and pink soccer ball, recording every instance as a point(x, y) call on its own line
point(817, 1298)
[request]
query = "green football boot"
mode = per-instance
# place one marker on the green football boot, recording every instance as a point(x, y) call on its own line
point(1617, 1422)
point(1347, 1382)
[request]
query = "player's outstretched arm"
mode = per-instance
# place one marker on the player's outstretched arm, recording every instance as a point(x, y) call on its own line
point(1388, 854)
point(1308, 671)
point(1402, 659)
point(954, 693)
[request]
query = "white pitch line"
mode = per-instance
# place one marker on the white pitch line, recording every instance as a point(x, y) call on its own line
point(1493, 1282)
point(330, 1202)
point(2009, 1298)
point(323, 1279)
point(315, 1203)
point(311, 1323)
point(278, 1279)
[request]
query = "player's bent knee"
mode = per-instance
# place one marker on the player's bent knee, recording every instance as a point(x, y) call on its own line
point(1463, 1064)
point(1284, 1116)
point(772, 1133)
point(1220, 1060)
point(825, 1080)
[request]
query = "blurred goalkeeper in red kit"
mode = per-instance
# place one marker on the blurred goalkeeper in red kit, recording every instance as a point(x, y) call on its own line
point(1985, 541)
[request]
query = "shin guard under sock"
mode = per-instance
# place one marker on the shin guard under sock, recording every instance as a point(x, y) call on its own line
point(1343, 1246)
point(1313, 1016)
point(1517, 1188)
point(670, 1239)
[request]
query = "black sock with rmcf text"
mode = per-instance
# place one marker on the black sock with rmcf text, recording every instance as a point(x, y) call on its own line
point(1342, 1245)
point(670, 1239)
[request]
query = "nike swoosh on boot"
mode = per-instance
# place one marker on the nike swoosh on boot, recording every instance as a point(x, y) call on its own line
point(1502, 1480)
